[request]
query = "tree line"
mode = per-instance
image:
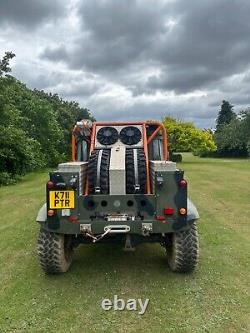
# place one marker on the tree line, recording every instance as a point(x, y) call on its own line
point(232, 133)
point(35, 126)
point(35, 129)
point(231, 138)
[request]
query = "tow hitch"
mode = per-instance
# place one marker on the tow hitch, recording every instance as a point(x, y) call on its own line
point(109, 229)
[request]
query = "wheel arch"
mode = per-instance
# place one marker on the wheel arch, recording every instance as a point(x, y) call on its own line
point(42, 214)
point(192, 212)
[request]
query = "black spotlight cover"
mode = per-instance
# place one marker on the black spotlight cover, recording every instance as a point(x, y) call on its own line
point(107, 135)
point(130, 135)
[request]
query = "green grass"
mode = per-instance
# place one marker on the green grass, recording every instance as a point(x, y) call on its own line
point(214, 299)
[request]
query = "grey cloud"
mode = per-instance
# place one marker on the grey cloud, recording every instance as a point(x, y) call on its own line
point(208, 41)
point(55, 53)
point(156, 110)
point(29, 13)
point(183, 79)
point(78, 89)
point(143, 49)
point(114, 34)
point(66, 83)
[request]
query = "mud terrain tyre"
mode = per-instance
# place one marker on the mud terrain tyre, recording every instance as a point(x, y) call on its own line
point(130, 171)
point(104, 171)
point(183, 250)
point(54, 251)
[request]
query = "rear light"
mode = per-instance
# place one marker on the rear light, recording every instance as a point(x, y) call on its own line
point(183, 183)
point(182, 211)
point(73, 219)
point(50, 184)
point(51, 212)
point(160, 218)
point(168, 211)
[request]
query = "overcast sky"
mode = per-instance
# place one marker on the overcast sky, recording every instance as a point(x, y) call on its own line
point(128, 59)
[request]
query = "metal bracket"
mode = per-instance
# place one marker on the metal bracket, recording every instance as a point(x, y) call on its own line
point(137, 187)
point(85, 228)
point(159, 180)
point(128, 247)
point(97, 190)
point(147, 228)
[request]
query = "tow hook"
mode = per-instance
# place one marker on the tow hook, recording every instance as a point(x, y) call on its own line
point(109, 229)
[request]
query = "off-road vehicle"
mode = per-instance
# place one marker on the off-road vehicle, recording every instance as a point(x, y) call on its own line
point(119, 187)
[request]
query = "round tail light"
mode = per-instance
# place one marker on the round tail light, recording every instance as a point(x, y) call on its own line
point(51, 212)
point(183, 211)
point(50, 184)
point(183, 183)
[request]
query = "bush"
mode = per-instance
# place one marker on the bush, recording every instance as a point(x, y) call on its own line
point(206, 154)
point(184, 136)
point(18, 153)
point(248, 148)
point(176, 158)
point(7, 178)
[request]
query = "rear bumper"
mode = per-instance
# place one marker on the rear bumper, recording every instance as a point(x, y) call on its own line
point(60, 224)
point(99, 227)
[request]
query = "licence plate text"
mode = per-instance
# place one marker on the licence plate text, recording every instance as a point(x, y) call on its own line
point(61, 199)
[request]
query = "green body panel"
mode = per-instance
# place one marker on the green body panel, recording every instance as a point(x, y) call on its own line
point(139, 209)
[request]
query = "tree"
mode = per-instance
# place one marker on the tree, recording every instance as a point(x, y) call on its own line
point(66, 113)
point(233, 139)
point(245, 127)
point(4, 63)
point(226, 115)
point(184, 136)
point(230, 140)
point(35, 128)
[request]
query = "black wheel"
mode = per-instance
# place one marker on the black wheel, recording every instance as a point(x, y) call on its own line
point(98, 174)
point(183, 250)
point(55, 251)
point(132, 174)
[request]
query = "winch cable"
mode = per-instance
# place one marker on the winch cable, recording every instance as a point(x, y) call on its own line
point(95, 239)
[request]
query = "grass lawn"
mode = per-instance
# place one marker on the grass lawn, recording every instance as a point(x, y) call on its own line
point(213, 299)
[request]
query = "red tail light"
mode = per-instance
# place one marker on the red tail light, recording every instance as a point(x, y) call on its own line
point(160, 218)
point(183, 183)
point(168, 211)
point(50, 184)
point(73, 219)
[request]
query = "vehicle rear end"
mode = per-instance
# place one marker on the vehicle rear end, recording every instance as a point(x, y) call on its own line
point(120, 188)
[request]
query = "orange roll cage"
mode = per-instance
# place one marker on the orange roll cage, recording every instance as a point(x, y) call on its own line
point(146, 141)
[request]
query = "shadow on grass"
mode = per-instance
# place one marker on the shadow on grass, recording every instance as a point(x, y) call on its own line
point(105, 264)
point(105, 261)
point(112, 256)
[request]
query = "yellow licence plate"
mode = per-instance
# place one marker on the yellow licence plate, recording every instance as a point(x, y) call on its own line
point(61, 199)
